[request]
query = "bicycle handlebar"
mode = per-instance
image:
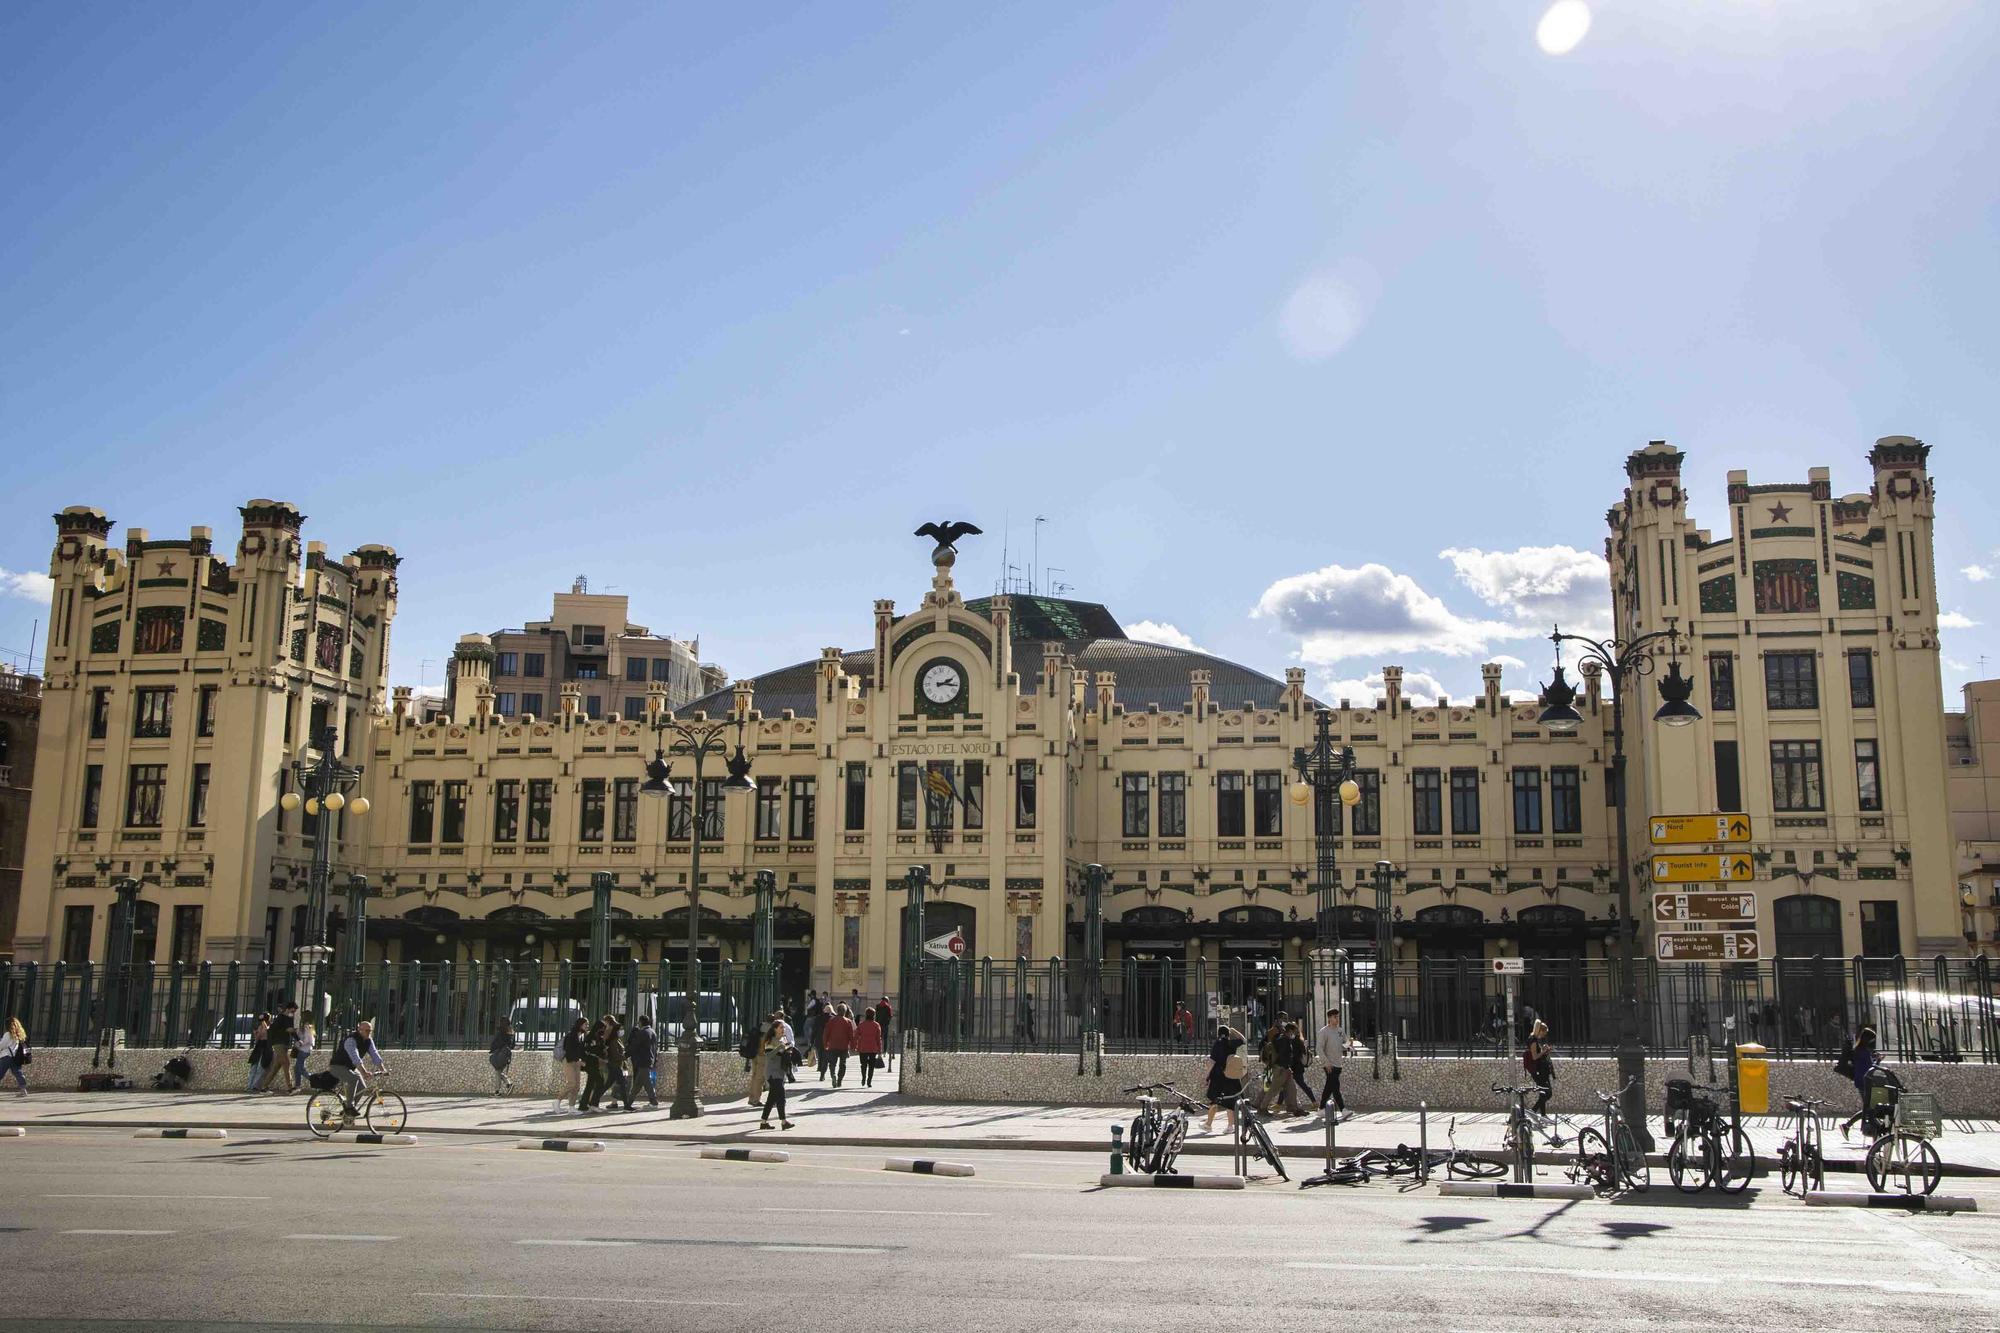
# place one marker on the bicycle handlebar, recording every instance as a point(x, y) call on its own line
point(1149, 1087)
point(1516, 1091)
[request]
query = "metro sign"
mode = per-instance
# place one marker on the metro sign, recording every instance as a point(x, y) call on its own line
point(1704, 868)
point(1668, 830)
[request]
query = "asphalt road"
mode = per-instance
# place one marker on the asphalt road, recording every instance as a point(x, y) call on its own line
point(276, 1230)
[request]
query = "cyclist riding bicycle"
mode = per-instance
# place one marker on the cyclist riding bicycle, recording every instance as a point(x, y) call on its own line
point(352, 1060)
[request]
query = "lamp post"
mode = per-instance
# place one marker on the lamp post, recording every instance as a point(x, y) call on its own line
point(695, 741)
point(1620, 658)
point(320, 784)
point(1325, 774)
point(1093, 948)
point(764, 941)
point(118, 968)
point(1385, 955)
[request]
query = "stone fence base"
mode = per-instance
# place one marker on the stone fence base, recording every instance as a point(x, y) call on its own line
point(1965, 1090)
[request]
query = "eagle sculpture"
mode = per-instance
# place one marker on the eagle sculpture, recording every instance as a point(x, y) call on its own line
point(944, 534)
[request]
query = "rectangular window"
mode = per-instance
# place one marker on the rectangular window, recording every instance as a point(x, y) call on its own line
point(663, 669)
point(1868, 774)
point(593, 706)
point(273, 918)
point(423, 810)
point(1728, 779)
point(1024, 793)
point(802, 819)
point(1861, 678)
point(100, 714)
point(93, 795)
point(1426, 802)
point(857, 797)
point(711, 809)
point(590, 811)
point(1566, 800)
point(76, 934)
point(185, 946)
point(635, 708)
point(625, 810)
point(204, 710)
point(635, 668)
point(506, 809)
point(770, 809)
point(145, 796)
point(153, 712)
point(506, 664)
point(906, 795)
point(1722, 682)
point(1138, 805)
point(1229, 820)
point(1527, 800)
point(198, 797)
point(1790, 681)
point(588, 635)
point(1267, 803)
point(533, 664)
point(585, 671)
point(1795, 776)
point(1173, 805)
point(1464, 800)
point(531, 705)
point(541, 805)
point(680, 813)
point(506, 703)
point(451, 826)
point(1367, 817)
point(1881, 931)
point(973, 793)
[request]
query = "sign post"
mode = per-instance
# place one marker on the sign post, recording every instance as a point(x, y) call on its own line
point(1508, 969)
point(1705, 922)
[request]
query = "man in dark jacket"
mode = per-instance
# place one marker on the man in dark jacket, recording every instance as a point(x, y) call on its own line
point(816, 1021)
point(284, 1031)
point(644, 1048)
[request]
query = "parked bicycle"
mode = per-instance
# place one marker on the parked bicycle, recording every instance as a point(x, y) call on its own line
point(1706, 1149)
point(1901, 1160)
point(1609, 1156)
point(1155, 1138)
point(1802, 1157)
point(1251, 1136)
point(1519, 1141)
point(327, 1113)
point(1458, 1162)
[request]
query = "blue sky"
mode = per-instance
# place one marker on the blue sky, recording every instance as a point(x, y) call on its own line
point(1348, 312)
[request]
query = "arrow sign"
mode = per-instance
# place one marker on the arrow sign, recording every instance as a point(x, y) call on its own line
point(1703, 868)
point(1669, 830)
point(1721, 946)
point(946, 946)
point(1671, 908)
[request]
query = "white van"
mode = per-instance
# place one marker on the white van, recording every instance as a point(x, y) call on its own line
point(541, 1022)
point(1928, 1025)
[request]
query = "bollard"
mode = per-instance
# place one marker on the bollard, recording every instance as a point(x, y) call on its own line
point(1117, 1152)
point(1423, 1142)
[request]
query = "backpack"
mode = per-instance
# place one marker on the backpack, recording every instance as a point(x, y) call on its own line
point(748, 1050)
point(1234, 1066)
point(1527, 1061)
point(1844, 1066)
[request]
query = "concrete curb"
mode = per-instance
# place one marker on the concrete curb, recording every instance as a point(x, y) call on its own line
point(1915, 1203)
point(745, 1155)
point(925, 1167)
point(1507, 1189)
point(1143, 1180)
point(209, 1133)
point(562, 1145)
point(385, 1140)
point(11, 1131)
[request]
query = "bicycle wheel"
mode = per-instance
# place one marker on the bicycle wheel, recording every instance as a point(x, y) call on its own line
point(324, 1114)
point(1631, 1160)
point(1812, 1169)
point(1253, 1130)
point(1735, 1160)
point(1687, 1163)
point(1900, 1163)
point(387, 1114)
point(1139, 1144)
point(1172, 1135)
point(1790, 1167)
point(1593, 1161)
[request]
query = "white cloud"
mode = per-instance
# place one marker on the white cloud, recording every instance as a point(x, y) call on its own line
point(1419, 687)
point(1955, 620)
point(1976, 573)
point(1325, 311)
point(1509, 661)
point(1160, 632)
point(1341, 613)
point(1541, 585)
point(34, 587)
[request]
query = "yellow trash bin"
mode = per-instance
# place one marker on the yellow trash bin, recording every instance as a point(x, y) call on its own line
point(1753, 1079)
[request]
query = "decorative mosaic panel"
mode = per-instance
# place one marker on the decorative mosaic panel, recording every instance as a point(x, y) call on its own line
point(104, 638)
point(161, 629)
point(354, 663)
point(1785, 587)
point(1856, 591)
point(1719, 595)
point(211, 635)
point(985, 644)
point(298, 645)
point(326, 648)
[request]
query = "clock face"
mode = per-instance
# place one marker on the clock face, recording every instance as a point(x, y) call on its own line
point(941, 682)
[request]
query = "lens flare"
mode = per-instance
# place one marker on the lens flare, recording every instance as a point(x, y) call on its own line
point(1562, 27)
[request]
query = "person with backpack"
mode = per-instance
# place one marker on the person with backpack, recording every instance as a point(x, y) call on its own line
point(1857, 1062)
point(1539, 1061)
point(260, 1053)
point(752, 1050)
point(593, 1067)
point(1227, 1069)
point(776, 1046)
point(643, 1047)
point(15, 1054)
point(500, 1054)
point(868, 1044)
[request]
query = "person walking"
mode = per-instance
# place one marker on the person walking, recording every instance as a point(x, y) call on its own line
point(617, 1082)
point(571, 1055)
point(1539, 1060)
point(1330, 1046)
point(884, 1017)
point(260, 1053)
point(775, 1049)
point(1297, 1054)
point(868, 1045)
point(500, 1054)
point(836, 1038)
point(284, 1031)
point(759, 1058)
point(1857, 1062)
point(818, 1015)
point(302, 1049)
point(15, 1055)
point(643, 1046)
point(1227, 1068)
point(593, 1067)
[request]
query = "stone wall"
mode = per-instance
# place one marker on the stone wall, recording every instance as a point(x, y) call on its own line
point(1966, 1090)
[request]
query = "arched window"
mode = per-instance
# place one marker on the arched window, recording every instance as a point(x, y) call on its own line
point(1807, 926)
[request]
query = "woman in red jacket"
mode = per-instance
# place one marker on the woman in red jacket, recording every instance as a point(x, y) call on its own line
point(868, 1043)
point(838, 1038)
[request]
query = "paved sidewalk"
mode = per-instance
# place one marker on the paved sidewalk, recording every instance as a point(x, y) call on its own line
point(858, 1117)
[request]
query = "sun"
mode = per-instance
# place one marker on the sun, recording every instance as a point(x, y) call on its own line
point(1562, 27)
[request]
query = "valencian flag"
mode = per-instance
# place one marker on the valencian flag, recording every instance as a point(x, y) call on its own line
point(938, 782)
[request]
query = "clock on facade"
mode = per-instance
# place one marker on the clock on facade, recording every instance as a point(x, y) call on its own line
point(940, 684)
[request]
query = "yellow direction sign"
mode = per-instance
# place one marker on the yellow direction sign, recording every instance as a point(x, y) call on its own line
point(1668, 830)
point(1718, 946)
point(1731, 907)
point(1703, 868)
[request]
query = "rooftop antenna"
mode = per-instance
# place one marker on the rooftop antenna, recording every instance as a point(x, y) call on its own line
point(1006, 534)
point(1056, 587)
point(1039, 520)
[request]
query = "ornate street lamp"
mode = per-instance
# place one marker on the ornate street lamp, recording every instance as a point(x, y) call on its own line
point(695, 741)
point(320, 784)
point(1620, 658)
point(1324, 775)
